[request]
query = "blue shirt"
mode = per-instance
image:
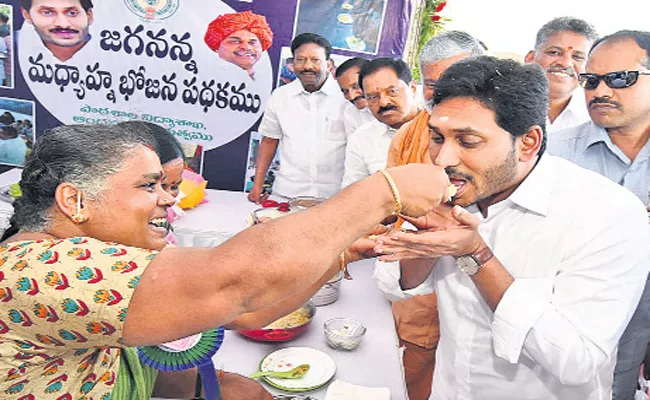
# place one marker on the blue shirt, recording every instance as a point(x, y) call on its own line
point(12, 151)
point(589, 146)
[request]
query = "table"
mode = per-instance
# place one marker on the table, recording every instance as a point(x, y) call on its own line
point(375, 363)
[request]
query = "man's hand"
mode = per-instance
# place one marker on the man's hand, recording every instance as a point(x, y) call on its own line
point(438, 237)
point(257, 194)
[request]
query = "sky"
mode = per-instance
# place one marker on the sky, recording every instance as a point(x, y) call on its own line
point(509, 26)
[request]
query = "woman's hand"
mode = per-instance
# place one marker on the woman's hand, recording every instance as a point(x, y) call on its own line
point(364, 247)
point(421, 187)
point(236, 387)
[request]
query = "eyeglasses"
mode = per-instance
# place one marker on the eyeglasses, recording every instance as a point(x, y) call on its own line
point(615, 80)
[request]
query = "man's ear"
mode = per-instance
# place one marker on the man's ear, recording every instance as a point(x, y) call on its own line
point(413, 85)
point(26, 15)
point(91, 18)
point(529, 56)
point(530, 143)
point(68, 199)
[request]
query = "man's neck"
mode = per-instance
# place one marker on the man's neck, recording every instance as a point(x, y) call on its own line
point(556, 106)
point(630, 139)
point(484, 204)
point(411, 115)
point(64, 53)
point(314, 88)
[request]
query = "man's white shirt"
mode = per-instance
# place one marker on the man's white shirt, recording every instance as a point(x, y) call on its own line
point(574, 114)
point(576, 244)
point(367, 151)
point(312, 138)
point(353, 118)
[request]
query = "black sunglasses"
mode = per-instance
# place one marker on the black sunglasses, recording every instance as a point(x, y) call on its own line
point(615, 80)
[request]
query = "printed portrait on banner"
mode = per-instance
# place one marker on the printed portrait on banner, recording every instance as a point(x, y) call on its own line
point(352, 25)
point(17, 130)
point(202, 72)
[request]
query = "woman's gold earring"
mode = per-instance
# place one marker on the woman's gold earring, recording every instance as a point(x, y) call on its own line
point(78, 217)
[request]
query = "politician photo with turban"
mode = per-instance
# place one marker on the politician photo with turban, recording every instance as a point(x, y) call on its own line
point(239, 38)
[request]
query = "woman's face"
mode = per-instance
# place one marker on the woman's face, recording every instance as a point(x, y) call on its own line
point(173, 176)
point(133, 208)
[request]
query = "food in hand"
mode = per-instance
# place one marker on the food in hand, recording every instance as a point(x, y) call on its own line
point(450, 193)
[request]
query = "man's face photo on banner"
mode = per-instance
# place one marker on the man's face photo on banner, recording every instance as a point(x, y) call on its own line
point(62, 25)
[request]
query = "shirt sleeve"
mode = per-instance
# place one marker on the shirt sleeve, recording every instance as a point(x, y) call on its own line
point(387, 276)
point(355, 166)
point(270, 125)
point(570, 324)
point(74, 292)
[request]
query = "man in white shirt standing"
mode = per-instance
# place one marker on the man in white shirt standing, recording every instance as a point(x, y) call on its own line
point(561, 49)
point(616, 143)
point(305, 117)
point(538, 265)
point(356, 113)
point(390, 92)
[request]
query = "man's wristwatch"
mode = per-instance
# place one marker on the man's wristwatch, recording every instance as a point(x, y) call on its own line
point(472, 263)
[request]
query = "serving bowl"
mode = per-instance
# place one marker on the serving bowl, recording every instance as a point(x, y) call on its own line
point(329, 292)
point(344, 333)
point(286, 328)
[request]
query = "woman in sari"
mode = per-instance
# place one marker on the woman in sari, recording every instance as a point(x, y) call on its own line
point(88, 276)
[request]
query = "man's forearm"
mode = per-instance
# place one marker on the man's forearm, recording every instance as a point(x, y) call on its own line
point(267, 150)
point(492, 281)
point(414, 272)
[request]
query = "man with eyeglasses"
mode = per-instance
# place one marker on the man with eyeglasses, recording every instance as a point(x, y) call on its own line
point(306, 116)
point(561, 49)
point(356, 113)
point(390, 93)
point(615, 143)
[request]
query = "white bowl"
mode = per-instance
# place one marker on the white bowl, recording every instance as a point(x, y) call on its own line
point(344, 333)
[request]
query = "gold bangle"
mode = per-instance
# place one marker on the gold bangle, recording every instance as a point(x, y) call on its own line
point(393, 189)
point(343, 266)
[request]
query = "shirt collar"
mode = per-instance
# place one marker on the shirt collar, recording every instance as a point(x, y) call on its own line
point(534, 193)
point(329, 88)
point(596, 134)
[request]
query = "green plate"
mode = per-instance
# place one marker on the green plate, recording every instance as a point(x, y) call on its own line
point(322, 368)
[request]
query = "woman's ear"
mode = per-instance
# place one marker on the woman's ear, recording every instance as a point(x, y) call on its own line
point(530, 143)
point(68, 199)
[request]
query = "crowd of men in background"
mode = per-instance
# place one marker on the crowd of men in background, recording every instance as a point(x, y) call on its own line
point(575, 324)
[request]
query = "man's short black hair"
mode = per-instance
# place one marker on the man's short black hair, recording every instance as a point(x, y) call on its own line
point(516, 93)
point(352, 62)
point(85, 4)
point(400, 68)
point(642, 39)
point(305, 38)
point(4, 18)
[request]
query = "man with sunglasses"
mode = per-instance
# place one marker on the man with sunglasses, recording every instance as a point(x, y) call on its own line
point(390, 93)
point(561, 49)
point(615, 143)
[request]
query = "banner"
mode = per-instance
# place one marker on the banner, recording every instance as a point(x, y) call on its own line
point(147, 60)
